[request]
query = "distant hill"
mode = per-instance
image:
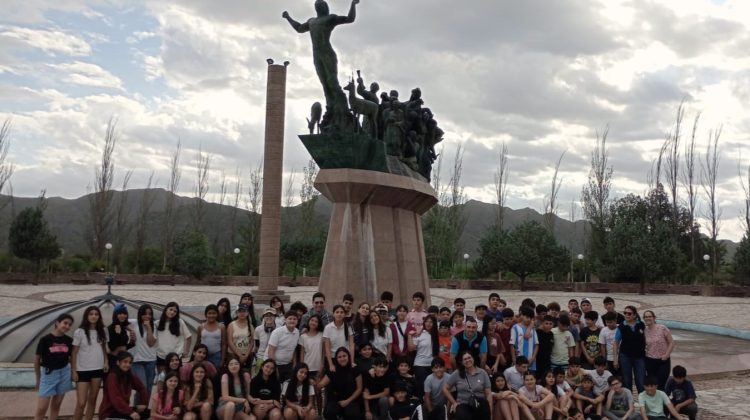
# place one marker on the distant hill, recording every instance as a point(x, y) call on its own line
point(68, 217)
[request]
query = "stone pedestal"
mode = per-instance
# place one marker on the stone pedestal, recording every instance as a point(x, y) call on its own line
point(375, 235)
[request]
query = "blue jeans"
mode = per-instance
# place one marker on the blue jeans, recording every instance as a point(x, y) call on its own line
point(215, 358)
point(633, 366)
point(145, 371)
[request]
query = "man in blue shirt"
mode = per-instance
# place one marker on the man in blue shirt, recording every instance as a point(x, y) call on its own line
point(472, 341)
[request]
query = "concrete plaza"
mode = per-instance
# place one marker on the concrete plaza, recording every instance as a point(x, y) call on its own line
point(718, 364)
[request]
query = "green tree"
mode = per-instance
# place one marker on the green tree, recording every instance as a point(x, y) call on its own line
point(641, 246)
point(192, 255)
point(30, 237)
point(303, 252)
point(527, 249)
point(742, 260)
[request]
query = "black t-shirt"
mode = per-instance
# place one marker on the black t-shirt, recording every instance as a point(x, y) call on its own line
point(265, 390)
point(409, 383)
point(118, 340)
point(343, 383)
point(54, 351)
point(403, 409)
point(590, 341)
point(546, 342)
point(376, 384)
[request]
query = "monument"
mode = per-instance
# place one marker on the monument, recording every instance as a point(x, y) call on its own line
point(273, 154)
point(375, 154)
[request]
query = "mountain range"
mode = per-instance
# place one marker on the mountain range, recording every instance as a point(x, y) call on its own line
point(68, 218)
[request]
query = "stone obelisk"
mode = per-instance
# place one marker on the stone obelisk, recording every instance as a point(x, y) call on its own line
point(273, 153)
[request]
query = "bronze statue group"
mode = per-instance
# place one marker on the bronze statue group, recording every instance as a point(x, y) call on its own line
point(376, 360)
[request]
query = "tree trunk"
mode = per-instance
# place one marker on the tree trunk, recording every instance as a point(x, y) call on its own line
point(523, 283)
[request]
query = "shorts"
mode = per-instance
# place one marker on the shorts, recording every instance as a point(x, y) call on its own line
point(238, 408)
point(88, 375)
point(56, 382)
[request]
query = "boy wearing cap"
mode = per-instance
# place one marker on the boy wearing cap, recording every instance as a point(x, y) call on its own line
point(586, 307)
point(386, 298)
point(261, 336)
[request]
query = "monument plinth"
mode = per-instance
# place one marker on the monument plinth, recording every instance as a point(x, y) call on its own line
point(375, 234)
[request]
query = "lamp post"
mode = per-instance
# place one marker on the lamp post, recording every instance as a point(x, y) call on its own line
point(234, 261)
point(108, 276)
point(707, 258)
point(580, 259)
point(466, 264)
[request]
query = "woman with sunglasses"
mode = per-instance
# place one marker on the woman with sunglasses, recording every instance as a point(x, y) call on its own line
point(630, 356)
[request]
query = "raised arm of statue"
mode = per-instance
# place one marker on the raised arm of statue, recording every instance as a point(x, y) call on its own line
point(299, 27)
point(351, 16)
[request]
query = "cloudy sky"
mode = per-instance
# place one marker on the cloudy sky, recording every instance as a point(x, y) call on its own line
point(540, 75)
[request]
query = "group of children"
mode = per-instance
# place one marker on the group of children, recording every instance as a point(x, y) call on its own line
point(376, 361)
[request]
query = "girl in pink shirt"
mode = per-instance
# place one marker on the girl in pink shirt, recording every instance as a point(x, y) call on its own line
point(168, 402)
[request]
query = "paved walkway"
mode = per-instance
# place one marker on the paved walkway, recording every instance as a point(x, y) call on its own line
point(725, 397)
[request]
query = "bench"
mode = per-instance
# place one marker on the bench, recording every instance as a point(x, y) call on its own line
point(658, 291)
point(568, 289)
point(600, 289)
point(695, 292)
point(216, 282)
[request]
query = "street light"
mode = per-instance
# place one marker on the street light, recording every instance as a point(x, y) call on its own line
point(466, 264)
point(234, 261)
point(108, 276)
point(707, 258)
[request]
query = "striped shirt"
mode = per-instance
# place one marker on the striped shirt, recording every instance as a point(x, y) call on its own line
point(524, 347)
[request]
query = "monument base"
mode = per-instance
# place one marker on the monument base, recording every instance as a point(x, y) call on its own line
point(375, 235)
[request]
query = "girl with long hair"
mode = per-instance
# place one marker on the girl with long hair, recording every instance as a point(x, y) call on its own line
point(265, 392)
point(173, 363)
point(167, 402)
point(343, 386)
point(144, 351)
point(535, 400)
point(505, 401)
point(299, 395)
point(401, 328)
point(52, 368)
point(199, 395)
point(89, 361)
point(380, 336)
point(240, 337)
point(119, 386)
point(549, 382)
point(427, 346)
point(224, 311)
point(278, 306)
point(172, 335)
point(312, 353)
point(198, 357)
point(212, 333)
point(234, 403)
point(247, 299)
point(361, 325)
point(335, 335)
point(119, 334)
